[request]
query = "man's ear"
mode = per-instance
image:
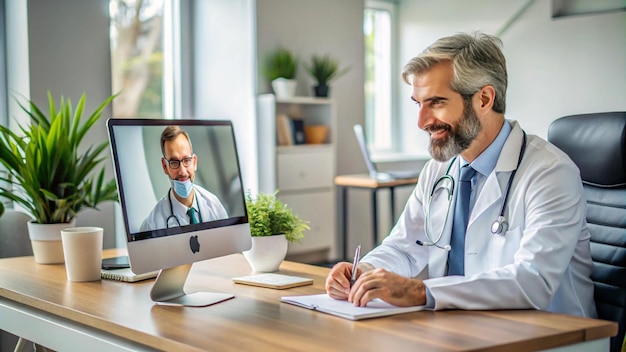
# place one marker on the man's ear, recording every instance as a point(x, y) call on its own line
point(164, 165)
point(486, 96)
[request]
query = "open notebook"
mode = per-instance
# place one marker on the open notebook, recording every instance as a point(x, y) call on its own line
point(345, 309)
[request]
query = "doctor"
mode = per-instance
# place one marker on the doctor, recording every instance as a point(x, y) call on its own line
point(185, 203)
point(525, 244)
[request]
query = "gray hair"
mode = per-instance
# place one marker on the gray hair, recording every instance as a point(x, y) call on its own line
point(477, 61)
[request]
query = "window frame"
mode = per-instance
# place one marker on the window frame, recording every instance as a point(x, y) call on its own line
point(395, 122)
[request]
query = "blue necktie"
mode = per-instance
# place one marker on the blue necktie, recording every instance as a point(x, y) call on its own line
point(456, 261)
point(193, 218)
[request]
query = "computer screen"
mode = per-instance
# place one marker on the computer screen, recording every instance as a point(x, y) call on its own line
point(181, 193)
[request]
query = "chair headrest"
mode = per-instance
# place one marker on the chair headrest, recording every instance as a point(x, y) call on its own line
point(597, 145)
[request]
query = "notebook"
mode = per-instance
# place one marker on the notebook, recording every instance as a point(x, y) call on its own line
point(371, 167)
point(344, 309)
point(126, 275)
point(275, 281)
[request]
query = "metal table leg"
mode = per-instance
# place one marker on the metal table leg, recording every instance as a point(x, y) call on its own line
point(375, 216)
point(392, 198)
point(344, 221)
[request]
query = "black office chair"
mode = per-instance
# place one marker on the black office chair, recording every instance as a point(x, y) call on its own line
point(597, 144)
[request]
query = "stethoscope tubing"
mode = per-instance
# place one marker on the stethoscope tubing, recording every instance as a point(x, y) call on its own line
point(172, 215)
point(499, 226)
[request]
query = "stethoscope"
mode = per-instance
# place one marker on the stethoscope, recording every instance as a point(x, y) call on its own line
point(172, 216)
point(498, 227)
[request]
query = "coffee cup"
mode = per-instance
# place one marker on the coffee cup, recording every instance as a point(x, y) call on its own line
point(82, 249)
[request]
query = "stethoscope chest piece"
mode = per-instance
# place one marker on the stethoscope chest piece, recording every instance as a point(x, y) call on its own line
point(500, 226)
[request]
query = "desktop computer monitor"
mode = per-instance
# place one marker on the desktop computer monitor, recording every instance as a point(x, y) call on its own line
point(182, 199)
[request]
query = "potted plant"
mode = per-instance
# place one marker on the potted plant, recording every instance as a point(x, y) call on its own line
point(280, 69)
point(49, 177)
point(273, 225)
point(324, 69)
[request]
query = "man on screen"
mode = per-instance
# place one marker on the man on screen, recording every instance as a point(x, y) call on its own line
point(185, 203)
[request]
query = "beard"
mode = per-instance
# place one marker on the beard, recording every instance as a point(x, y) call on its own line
point(459, 137)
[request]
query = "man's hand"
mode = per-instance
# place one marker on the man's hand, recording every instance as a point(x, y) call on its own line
point(391, 288)
point(338, 280)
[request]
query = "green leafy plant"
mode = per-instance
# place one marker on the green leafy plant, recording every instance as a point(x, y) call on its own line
point(280, 63)
point(269, 216)
point(324, 69)
point(47, 174)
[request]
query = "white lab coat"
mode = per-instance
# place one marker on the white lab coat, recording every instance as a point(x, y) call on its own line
point(169, 212)
point(543, 261)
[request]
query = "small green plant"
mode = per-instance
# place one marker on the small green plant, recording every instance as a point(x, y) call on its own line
point(324, 69)
point(47, 175)
point(280, 63)
point(269, 216)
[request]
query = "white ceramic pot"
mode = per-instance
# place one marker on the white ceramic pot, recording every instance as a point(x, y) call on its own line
point(267, 253)
point(46, 241)
point(284, 88)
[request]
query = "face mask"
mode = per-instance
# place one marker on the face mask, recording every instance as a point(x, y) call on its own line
point(182, 188)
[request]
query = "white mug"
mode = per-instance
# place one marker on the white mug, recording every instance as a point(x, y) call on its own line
point(82, 249)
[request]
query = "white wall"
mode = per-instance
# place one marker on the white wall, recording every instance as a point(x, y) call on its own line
point(320, 27)
point(332, 27)
point(224, 73)
point(62, 46)
point(556, 66)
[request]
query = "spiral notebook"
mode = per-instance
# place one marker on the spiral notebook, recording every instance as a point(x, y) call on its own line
point(126, 275)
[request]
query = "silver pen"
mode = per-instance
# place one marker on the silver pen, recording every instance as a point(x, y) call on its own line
point(357, 257)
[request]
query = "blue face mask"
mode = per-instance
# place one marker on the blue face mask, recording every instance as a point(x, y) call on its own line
point(182, 188)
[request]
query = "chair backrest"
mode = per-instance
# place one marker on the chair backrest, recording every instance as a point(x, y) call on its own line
point(597, 145)
point(14, 240)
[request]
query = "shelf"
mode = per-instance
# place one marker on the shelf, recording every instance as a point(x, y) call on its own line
point(303, 100)
point(304, 148)
point(304, 173)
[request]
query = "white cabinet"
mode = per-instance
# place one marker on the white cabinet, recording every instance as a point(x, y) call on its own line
point(303, 173)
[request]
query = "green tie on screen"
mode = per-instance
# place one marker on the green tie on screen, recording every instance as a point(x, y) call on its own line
point(193, 218)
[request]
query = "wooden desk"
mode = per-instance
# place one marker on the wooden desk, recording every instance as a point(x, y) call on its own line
point(38, 303)
point(365, 181)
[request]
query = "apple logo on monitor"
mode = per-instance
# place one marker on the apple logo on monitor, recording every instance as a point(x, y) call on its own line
point(194, 244)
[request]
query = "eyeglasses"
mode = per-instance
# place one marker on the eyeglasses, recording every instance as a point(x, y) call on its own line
point(175, 164)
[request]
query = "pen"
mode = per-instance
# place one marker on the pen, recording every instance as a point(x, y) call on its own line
point(357, 255)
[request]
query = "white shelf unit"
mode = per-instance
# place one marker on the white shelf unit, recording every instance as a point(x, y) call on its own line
point(302, 173)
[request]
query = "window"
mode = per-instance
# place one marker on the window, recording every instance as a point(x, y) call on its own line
point(378, 34)
point(142, 57)
point(4, 112)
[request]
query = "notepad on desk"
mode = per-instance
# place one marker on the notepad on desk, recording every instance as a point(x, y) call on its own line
point(344, 309)
point(126, 275)
point(271, 280)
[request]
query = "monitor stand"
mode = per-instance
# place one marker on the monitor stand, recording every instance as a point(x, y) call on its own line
point(168, 289)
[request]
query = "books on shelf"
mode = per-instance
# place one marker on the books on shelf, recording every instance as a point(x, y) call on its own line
point(283, 130)
point(345, 309)
point(290, 130)
point(297, 128)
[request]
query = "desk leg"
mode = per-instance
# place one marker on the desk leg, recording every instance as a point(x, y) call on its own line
point(392, 198)
point(344, 221)
point(375, 217)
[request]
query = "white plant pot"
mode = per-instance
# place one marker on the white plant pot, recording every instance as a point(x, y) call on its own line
point(284, 88)
point(267, 253)
point(46, 241)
